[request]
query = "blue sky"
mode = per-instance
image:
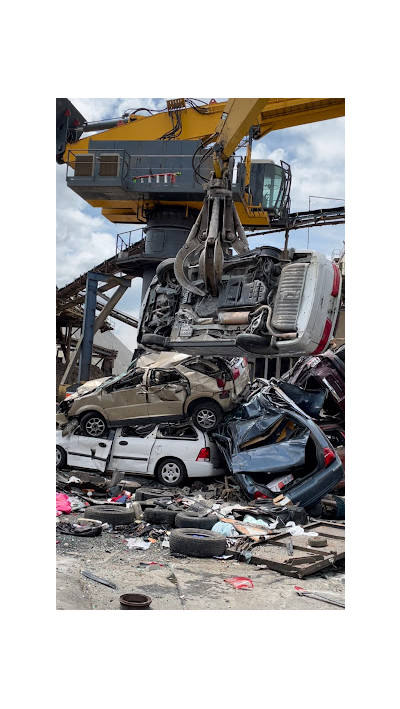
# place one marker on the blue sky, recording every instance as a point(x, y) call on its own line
point(315, 153)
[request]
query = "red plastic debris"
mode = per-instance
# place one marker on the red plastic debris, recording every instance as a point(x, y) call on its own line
point(240, 582)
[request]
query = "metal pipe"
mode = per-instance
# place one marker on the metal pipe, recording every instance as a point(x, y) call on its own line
point(236, 318)
point(282, 335)
point(103, 125)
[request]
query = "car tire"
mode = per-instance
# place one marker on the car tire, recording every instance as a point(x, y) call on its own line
point(197, 542)
point(112, 514)
point(160, 516)
point(256, 344)
point(171, 472)
point(191, 519)
point(61, 458)
point(93, 424)
point(206, 415)
point(163, 272)
point(155, 340)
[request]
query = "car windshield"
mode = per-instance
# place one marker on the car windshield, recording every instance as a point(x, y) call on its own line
point(117, 377)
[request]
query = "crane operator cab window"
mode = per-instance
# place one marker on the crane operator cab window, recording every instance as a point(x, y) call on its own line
point(268, 184)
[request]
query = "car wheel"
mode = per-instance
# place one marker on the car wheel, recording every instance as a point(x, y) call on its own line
point(93, 424)
point(61, 458)
point(256, 344)
point(155, 340)
point(206, 415)
point(165, 273)
point(112, 514)
point(191, 519)
point(171, 472)
point(160, 516)
point(197, 542)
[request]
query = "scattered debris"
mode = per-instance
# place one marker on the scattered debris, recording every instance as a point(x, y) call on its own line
point(92, 577)
point(318, 596)
point(240, 582)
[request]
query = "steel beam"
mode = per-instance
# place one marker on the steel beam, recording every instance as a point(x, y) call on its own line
point(91, 324)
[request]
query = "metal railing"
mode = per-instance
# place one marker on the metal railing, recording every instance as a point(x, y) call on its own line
point(125, 240)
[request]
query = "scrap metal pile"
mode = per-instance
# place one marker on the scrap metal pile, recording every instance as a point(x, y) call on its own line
point(281, 447)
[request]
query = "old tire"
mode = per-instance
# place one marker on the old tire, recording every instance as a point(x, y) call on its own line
point(155, 341)
point(171, 472)
point(112, 514)
point(317, 542)
point(256, 344)
point(159, 516)
point(191, 519)
point(93, 424)
point(206, 415)
point(165, 272)
point(197, 542)
point(61, 458)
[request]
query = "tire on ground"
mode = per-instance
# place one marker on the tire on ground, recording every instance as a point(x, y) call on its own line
point(198, 412)
point(197, 542)
point(112, 514)
point(191, 519)
point(160, 516)
point(92, 420)
point(62, 462)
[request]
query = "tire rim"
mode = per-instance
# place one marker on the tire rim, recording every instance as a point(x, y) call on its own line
point(170, 472)
point(95, 427)
point(206, 418)
point(58, 457)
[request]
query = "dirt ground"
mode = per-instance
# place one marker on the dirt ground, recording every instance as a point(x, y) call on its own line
point(181, 584)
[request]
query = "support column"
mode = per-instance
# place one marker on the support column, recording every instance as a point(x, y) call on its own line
point(166, 232)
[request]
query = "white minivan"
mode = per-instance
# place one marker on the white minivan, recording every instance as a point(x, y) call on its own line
point(171, 452)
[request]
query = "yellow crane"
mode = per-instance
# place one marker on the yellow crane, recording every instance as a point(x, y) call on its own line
point(225, 123)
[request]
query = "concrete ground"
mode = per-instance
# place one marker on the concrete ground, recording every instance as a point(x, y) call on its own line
point(182, 584)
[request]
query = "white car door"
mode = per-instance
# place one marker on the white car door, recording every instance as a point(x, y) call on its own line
point(130, 452)
point(87, 452)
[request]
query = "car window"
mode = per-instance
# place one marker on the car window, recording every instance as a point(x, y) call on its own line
point(137, 431)
point(130, 380)
point(177, 431)
point(164, 376)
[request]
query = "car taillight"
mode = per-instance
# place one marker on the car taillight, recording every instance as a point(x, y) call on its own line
point(68, 394)
point(336, 280)
point(329, 456)
point(325, 337)
point(235, 373)
point(221, 383)
point(204, 455)
point(259, 494)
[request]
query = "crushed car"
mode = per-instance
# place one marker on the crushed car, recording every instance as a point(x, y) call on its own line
point(268, 303)
point(324, 372)
point(273, 446)
point(162, 387)
point(171, 452)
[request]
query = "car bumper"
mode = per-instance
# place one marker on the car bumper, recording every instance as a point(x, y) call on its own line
point(61, 419)
point(306, 492)
point(197, 469)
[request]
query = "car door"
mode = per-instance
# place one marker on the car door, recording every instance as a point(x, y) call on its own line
point(131, 452)
point(88, 452)
point(126, 398)
point(167, 391)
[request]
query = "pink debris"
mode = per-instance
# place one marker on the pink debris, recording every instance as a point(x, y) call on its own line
point(240, 582)
point(63, 504)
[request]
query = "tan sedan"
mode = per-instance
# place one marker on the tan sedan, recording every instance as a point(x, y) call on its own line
point(162, 387)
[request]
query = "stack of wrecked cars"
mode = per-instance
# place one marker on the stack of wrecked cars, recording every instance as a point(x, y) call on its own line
point(273, 436)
